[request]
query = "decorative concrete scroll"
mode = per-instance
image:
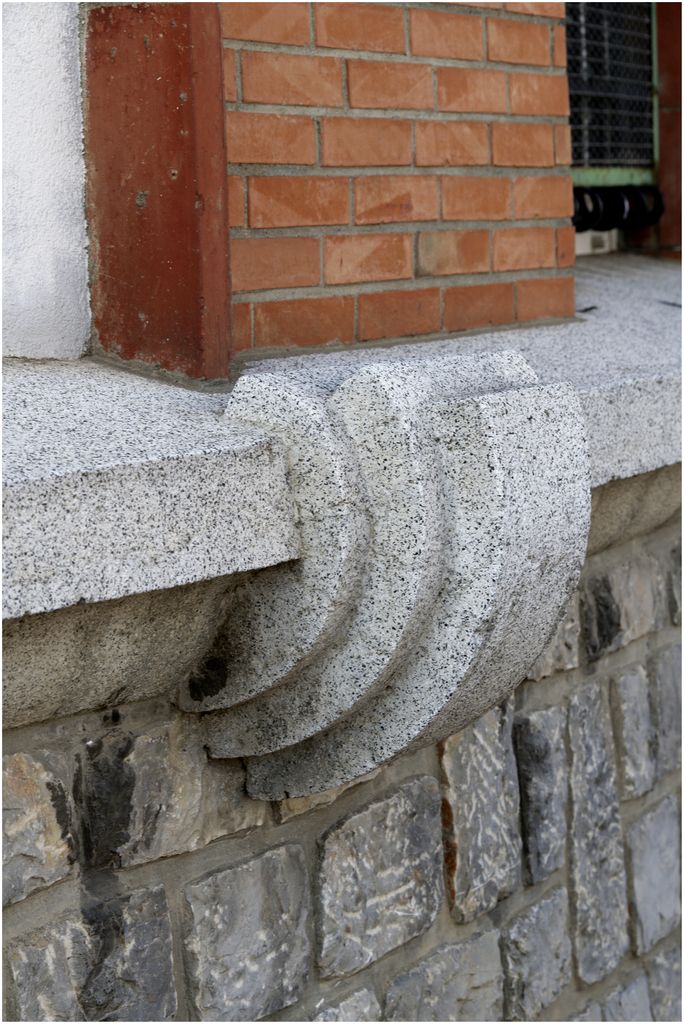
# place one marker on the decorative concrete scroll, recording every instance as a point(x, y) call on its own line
point(443, 509)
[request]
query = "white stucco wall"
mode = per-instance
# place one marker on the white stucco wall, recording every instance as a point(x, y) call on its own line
point(45, 282)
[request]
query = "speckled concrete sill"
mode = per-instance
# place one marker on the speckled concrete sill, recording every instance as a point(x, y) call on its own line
point(116, 485)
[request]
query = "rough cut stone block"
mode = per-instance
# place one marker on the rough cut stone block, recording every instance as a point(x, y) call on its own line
point(620, 605)
point(247, 939)
point(665, 984)
point(47, 970)
point(157, 794)
point(562, 652)
point(361, 1005)
point(591, 1012)
point(381, 880)
point(37, 828)
point(634, 732)
point(195, 800)
point(459, 982)
point(115, 963)
point(653, 843)
point(597, 872)
point(483, 805)
point(540, 752)
point(666, 695)
point(536, 957)
point(629, 1002)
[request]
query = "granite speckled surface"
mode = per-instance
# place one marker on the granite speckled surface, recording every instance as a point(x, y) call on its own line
point(476, 485)
point(117, 485)
point(622, 354)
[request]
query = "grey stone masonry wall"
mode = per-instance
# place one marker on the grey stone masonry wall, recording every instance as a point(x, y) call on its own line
point(525, 869)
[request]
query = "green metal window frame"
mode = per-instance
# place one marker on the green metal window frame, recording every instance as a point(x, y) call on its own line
point(630, 175)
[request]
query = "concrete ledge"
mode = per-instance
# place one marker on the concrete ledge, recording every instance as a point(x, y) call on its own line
point(116, 485)
point(622, 355)
point(392, 501)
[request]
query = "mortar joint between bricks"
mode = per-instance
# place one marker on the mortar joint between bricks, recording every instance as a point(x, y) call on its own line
point(238, 75)
point(394, 58)
point(411, 114)
point(370, 170)
point(312, 26)
point(486, 12)
point(402, 284)
point(318, 142)
point(345, 86)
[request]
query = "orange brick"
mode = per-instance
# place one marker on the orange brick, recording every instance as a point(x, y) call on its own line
point(236, 201)
point(442, 34)
point(269, 139)
point(377, 27)
point(470, 91)
point(285, 202)
point(524, 248)
point(451, 143)
point(350, 258)
point(284, 78)
point(229, 80)
point(258, 263)
point(240, 327)
point(522, 145)
point(540, 9)
point(560, 48)
point(304, 321)
point(379, 84)
point(562, 144)
point(266, 23)
point(476, 198)
point(384, 198)
point(517, 42)
point(546, 297)
point(565, 247)
point(543, 197)
point(481, 305)
point(398, 314)
point(367, 142)
point(540, 94)
point(453, 252)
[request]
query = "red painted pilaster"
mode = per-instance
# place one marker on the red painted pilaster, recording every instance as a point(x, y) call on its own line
point(157, 186)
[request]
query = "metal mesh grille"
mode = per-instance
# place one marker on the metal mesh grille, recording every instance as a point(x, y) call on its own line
point(610, 76)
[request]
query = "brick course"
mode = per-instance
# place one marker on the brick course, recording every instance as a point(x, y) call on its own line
point(385, 144)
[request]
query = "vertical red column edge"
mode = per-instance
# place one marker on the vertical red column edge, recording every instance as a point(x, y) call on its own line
point(669, 49)
point(212, 183)
point(157, 187)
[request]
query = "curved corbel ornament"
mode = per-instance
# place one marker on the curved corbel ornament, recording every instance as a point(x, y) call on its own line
point(444, 508)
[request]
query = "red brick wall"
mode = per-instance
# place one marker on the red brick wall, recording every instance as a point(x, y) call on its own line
point(395, 170)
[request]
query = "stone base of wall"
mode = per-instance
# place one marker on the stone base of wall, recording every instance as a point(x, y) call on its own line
point(527, 868)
